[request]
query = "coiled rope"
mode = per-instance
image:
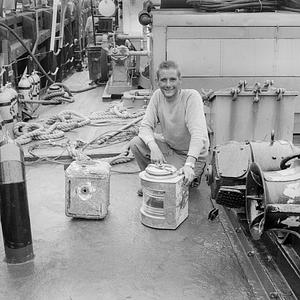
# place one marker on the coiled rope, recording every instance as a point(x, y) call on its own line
point(27, 132)
point(68, 120)
point(56, 94)
point(55, 126)
point(116, 111)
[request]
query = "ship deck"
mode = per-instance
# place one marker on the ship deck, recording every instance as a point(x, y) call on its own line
point(118, 257)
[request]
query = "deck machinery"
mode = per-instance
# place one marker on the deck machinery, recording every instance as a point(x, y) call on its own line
point(252, 126)
point(114, 57)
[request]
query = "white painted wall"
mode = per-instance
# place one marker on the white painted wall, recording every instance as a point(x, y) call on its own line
point(131, 9)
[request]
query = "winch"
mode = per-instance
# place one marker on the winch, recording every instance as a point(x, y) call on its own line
point(273, 198)
point(165, 197)
point(87, 189)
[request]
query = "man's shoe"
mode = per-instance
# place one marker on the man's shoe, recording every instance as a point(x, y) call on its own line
point(196, 182)
point(140, 192)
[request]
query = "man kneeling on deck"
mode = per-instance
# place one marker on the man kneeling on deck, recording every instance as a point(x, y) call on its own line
point(183, 141)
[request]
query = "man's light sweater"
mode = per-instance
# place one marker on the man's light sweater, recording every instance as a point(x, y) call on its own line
point(182, 122)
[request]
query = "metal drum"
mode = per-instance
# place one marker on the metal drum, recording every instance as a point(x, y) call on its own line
point(268, 155)
point(273, 199)
point(230, 163)
point(165, 197)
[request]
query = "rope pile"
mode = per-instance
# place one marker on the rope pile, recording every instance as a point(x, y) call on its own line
point(68, 120)
point(123, 136)
point(75, 152)
point(122, 158)
point(233, 5)
point(116, 111)
point(57, 94)
point(27, 132)
point(55, 126)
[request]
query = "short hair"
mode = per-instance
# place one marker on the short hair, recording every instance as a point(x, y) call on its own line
point(166, 65)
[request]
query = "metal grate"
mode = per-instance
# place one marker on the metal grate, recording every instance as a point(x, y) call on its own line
point(231, 197)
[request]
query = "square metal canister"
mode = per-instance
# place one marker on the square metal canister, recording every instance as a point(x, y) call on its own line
point(87, 189)
point(165, 200)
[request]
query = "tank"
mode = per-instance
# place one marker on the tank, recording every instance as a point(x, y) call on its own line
point(273, 199)
point(87, 188)
point(165, 197)
point(14, 208)
point(25, 88)
point(230, 163)
point(25, 94)
point(8, 107)
point(35, 81)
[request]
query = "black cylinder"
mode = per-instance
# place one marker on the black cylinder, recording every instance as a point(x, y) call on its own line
point(15, 218)
point(174, 4)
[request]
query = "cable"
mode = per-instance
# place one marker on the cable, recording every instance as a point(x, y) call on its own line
point(39, 65)
point(290, 9)
point(232, 5)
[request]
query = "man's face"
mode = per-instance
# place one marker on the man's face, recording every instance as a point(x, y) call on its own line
point(169, 83)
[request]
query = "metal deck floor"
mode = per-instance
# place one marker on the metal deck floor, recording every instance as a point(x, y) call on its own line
point(118, 257)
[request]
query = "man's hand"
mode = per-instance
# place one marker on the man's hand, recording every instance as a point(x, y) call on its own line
point(189, 174)
point(159, 137)
point(156, 155)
